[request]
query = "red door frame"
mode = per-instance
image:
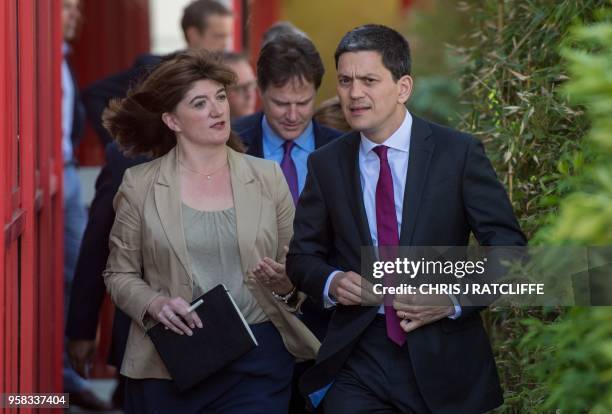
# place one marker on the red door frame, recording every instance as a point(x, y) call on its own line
point(31, 207)
point(12, 215)
point(238, 9)
point(27, 115)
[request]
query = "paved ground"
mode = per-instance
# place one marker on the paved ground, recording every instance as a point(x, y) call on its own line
point(103, 389)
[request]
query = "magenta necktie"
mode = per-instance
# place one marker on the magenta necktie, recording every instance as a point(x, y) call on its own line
point(288, 167)
point(386, 230)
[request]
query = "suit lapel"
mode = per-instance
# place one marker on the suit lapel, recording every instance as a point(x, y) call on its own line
point(320, 138)
point(247, 204)
point(349, 164)
point(168, 204)
point(421, 150)
point(256, 145)
point(78, 110)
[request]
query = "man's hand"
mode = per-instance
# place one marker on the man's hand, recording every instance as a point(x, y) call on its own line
point(418, 310)
point(349, 288)
point(173, 313)
point(81, 353)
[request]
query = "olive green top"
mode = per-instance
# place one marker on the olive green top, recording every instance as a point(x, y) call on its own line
point(215, 258)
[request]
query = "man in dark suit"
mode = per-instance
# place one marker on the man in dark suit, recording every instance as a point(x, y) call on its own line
point(75, 216)
point(289, 73)
point(88, 289)
point(396, 180)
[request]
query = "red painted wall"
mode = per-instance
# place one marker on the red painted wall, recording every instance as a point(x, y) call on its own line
point(113, 34)
point(31, 278)
point(262, 14)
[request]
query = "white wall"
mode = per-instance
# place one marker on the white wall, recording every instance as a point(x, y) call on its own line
point(166, 32)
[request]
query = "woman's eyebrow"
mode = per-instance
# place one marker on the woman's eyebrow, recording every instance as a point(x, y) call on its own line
point(197, 97)
point(206, 96)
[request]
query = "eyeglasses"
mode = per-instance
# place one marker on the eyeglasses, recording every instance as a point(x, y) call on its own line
point(243, 88)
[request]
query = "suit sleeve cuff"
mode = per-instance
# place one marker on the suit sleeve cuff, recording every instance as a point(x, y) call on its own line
point(457, 306)
point(328, 302)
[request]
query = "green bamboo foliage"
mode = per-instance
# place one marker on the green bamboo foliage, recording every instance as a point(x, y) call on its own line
point(586, 216)
point(574, 368)
point(511, 80)
point(513, 77)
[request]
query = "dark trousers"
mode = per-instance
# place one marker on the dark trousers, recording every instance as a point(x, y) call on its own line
point(297, 404)
point(376, 378)
point(259, 382)
point(316, 320)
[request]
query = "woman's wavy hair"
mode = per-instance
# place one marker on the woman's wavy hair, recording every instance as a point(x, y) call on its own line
point(136, 121)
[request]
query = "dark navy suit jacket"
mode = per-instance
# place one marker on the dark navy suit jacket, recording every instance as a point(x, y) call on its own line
point(78, 115)
point(249, 129)
point(88, 288)
point(97, 95)
point(451, 191)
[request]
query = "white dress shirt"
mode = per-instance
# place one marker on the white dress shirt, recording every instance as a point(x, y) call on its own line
point(369, 169)
point(68, 93)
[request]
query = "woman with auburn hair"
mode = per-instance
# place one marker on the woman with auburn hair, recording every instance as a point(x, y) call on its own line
point(201, 214)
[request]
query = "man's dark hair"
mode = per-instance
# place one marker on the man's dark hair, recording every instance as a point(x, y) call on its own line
point(390, 44)
point(286, 57)
point(280, 28)
point(228, 57)
point(198, 11)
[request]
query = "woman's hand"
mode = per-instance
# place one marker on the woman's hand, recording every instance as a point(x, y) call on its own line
point(273, 275)
point(173, 313)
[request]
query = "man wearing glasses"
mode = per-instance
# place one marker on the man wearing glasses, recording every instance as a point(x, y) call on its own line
point(241, 96)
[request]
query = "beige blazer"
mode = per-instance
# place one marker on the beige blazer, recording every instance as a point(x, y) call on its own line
point(148, 254)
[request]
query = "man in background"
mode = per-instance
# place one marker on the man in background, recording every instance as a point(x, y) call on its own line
point(289, 73)
point(207, 24)
point(280, 28)
point(75, 217)
point(242, 96)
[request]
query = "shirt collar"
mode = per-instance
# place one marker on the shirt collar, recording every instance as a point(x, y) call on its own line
point(304, 141)
point(66, 49)
point(399, 140)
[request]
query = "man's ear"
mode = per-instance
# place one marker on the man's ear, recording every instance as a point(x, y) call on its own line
point(171, 121)
point(193, 36)
point(405, 84)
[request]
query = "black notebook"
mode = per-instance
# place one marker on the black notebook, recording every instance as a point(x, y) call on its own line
point(225, 337)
